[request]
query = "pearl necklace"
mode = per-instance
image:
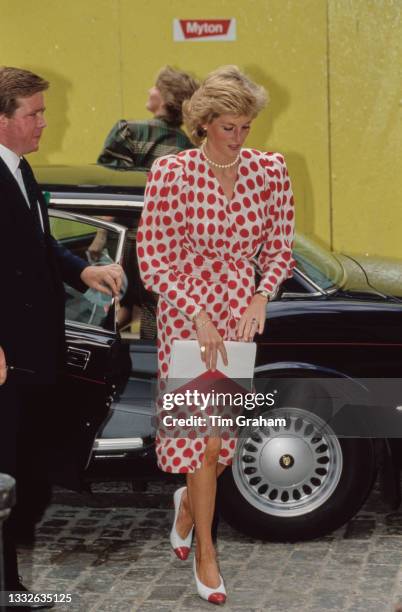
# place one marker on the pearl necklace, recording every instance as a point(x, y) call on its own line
point(212, 163)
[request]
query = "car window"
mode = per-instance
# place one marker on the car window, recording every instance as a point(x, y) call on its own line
point(317, 263)
point(91, 307)
point(295, 285)
point(136, 317)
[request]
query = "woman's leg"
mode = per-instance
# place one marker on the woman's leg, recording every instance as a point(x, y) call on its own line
point(201, 487)
point(185, 519)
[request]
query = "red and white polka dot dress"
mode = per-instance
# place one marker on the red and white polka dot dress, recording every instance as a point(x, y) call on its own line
point(195, 250)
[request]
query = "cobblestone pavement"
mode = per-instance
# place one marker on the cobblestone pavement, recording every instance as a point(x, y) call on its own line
point(111, 552)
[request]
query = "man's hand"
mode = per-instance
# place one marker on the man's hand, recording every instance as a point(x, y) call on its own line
point(107, 279)
point(3, 367)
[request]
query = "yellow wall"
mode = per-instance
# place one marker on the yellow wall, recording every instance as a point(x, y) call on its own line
point(101, 57)
point(366, 127)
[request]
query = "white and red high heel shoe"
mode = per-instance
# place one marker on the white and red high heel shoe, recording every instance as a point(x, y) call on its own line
point(181, 546)
point(216, 596)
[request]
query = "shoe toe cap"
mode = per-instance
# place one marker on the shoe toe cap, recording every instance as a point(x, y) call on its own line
point(217, 598)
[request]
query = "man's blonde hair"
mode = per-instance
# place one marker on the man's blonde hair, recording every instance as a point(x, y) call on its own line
point(17, 83)
point(225, 91)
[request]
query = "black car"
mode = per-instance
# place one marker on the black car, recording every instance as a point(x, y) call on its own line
point(330, 344)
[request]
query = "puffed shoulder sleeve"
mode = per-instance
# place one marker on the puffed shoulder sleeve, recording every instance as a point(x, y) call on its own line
point(275, 259)
point(161, 233)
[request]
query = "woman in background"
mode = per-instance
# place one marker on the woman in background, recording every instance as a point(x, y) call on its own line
point(133, 145)
point(207, 213)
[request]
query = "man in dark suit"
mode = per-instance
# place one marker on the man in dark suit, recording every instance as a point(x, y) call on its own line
point(33, 268)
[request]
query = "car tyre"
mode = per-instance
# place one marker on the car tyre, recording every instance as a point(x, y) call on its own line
point(329, 481)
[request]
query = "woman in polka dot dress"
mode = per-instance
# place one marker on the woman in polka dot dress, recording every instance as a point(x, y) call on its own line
point(207, 213)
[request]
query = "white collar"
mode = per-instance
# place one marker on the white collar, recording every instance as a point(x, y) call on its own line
point(11, 159)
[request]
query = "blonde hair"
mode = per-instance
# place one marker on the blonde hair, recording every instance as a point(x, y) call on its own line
point(224, 91)
point(175, 87)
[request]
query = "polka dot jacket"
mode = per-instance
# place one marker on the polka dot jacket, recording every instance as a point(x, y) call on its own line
point(198, 250)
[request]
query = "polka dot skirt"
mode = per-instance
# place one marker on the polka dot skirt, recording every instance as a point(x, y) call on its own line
point(195, 249)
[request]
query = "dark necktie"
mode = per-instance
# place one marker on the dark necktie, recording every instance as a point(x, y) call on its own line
point(31, 189)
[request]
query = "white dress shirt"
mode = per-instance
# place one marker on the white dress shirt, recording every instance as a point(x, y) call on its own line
point(12, 161)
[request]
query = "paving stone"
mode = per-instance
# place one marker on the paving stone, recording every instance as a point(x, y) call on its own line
point(118, 558)
point(300, 570)
point(242, 607)
point(282, 600)
point(347, 564)
point(156, 559)
point(68, 512)
point(354, 547)
point(117, 569)
point(166, 593)
point(55, 522)
point(229, 571)
point(298, 585)
point(145, 573)
point(348, 586)
point(84, 531)
point(296, 606)
point(375, 586)
point(96, 582)
point(393, 523)
point(307, 556)
point(360, 529)
point(32, 572)
point(193, 602)
point(379, 571)
point(80, 603)
point(175, 575)
point(54, 585)
point(369, 604)
point(66, 572)
point(268, 559)
point(156, 606)
point(128, 588)
point(346, 558)
point(388, 543)
point(385, 558)
point(120, 604)
point(231, 558)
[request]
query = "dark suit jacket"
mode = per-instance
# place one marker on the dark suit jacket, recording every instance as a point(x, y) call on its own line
point(33, 266)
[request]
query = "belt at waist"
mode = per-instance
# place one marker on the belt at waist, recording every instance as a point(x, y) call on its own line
point(237, 274)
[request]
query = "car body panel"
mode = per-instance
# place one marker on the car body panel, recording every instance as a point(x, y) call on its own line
point(344, 328)
point(92, 352)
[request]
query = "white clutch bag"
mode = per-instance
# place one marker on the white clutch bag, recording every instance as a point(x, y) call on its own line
point(186, 362)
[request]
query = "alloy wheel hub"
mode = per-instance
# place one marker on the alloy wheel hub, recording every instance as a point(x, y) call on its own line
point(288, 470)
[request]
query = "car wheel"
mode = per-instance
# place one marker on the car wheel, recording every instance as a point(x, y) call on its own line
point(296, 481)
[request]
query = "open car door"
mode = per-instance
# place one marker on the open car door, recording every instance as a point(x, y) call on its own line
point(94, 358)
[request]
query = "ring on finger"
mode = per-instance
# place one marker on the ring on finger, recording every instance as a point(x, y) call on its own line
point(202, 349)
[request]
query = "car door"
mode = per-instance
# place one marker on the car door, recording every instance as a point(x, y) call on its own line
point(94, 359)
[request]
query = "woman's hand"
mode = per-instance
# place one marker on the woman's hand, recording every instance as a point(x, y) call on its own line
point(252, 319)
point(210, 341)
